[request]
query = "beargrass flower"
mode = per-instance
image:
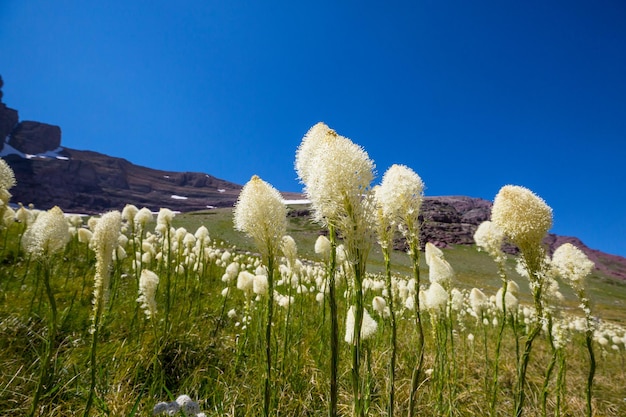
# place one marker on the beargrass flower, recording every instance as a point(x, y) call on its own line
point(368, 328)
point(261, 214)
point(489, 237)
point(572, 264)
point(48, 234)
point(522, 215)
point(245, 282)
point(104, 242)
point(148, 284)
point(440, 271)
point(379, 304)
point(322, 246)
point(510, 301)
point(478, 301)
point(129, 212)
point(336, 173)
point(400, 196)
point(7, 176)
point(436, 298)
point(432, 251)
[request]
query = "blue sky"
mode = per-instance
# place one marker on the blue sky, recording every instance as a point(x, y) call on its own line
point(472, 95)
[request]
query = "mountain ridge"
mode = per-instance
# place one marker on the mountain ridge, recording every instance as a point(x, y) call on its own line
point(89, 182)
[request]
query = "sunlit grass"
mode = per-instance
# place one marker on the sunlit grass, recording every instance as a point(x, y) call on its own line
point(211, 357)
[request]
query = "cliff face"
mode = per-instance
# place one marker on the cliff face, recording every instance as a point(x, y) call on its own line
point(89, 182)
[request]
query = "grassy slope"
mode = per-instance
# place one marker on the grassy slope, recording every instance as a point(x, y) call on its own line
point(202, 354)
point(473, 268)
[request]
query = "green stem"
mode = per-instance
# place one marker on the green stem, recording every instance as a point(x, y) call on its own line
point(551, 364)
point(592, 370)
point(494, 386)
point(268, 334)
point(92, 361)
point(414, 248)
point(334, 324)
point(356, 342)
point(521, 377)
point(392, 317)
point(46, 371)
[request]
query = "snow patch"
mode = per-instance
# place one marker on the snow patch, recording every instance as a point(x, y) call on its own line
point(54, 154)
point(178, 197)
point(221, 190)
point(297, 202)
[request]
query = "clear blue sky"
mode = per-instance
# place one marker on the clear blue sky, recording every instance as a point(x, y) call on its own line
point(472, 95)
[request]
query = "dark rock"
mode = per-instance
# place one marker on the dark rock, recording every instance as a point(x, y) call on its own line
point(8, 120)
point(35, 138)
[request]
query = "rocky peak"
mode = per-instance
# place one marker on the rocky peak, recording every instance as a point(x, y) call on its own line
point(8, 118)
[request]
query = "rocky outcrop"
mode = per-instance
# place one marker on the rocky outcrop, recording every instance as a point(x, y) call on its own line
point(8, 119)
point(35, 138)
point(90, 182)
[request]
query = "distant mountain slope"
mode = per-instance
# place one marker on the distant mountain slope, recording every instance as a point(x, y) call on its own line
point(89, 182)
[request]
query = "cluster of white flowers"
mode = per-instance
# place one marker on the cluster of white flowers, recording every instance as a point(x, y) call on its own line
point(398, 201)
point(148, 284)
point(521, 215)
point(183, 404)
point(368, 327)
point(261, 214)
point(572, 264)
point(104, 242)
point(48, 234)
point(7, 181)
point(489, 237)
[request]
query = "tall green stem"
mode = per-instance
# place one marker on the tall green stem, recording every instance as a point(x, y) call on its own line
point(494, 386)
point(359, 410)
point(334, 324)
point(46, 371)
point(92, 361)
point(268, 333)
point(414, 248)
point(392, 317)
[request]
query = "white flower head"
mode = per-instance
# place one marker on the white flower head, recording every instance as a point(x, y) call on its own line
point(368, 326)
point(522, 215)
point(148, 284)
point(489, 237)
point(261, 214)
point(48, 234)
point(572, 264)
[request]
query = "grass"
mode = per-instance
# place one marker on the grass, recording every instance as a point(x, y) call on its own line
point(217, 358)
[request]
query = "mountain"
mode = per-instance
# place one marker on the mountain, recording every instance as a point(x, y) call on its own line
point(49, 174)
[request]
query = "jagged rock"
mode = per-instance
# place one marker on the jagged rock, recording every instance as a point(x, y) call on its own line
point(8, 118)
point(35, 138)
